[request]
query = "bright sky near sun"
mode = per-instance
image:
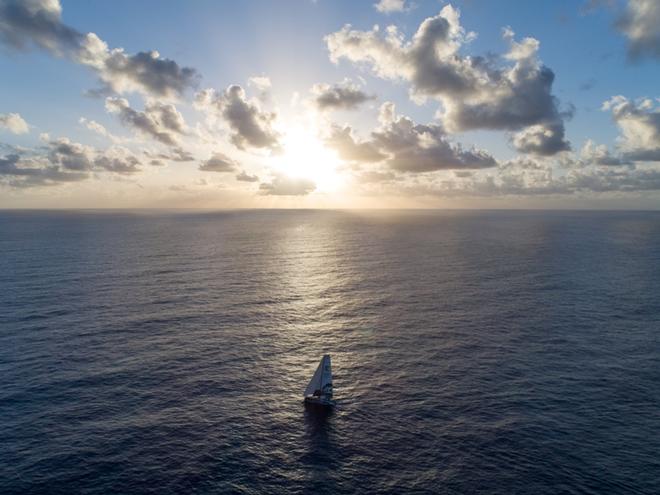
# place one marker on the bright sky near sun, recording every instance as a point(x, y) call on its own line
point(301, 103)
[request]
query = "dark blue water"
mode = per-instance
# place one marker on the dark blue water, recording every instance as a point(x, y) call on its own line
point(474, 352)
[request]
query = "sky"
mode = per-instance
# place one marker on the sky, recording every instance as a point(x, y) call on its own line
point(330, 104)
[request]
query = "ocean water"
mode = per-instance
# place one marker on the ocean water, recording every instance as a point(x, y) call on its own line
point(473, 352)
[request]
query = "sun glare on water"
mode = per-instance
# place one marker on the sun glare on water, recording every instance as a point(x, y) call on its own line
point(305, 157)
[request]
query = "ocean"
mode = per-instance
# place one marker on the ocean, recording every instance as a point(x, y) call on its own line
point(162, 352)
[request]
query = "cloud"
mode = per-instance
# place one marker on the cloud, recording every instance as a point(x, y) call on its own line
point(349, 148)
point(70, 155)
point(344, 96)
point(541, 139)
point(594, 154)
point(38, 22)
point(430, 61)
point(375, 176)
point(390, 6)
point(640, 125)
point(251, 126)
point(405, 146)
point(523, 163)
point(282, 185)
point(14, 123)
point(19, 173)
point(245, 177)
point(640, 23)
point(119, 161)
point(144, 72)
point(94, 126)
point(218, 163)
point(177, 154)
point(261, 83)
point(522, 177)
point(64, 161)
point(161, 121)
point(423, 148)
point(509, 99)
point(99, 129)
point(511, 92)
point(27, 23)
point(611, 180)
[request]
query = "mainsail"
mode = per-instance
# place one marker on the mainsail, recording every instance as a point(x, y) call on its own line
point(321, 382)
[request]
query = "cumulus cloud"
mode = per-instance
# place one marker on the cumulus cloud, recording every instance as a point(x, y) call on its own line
point(38, 22)
point(144, 72)
point(21, 173)
point(390, 6)
point(640, 124)
point(522, 177)
point(475, 92)
point(541, 139)
point(423, 148)
point(511, 98)
point(350, 148)
point(62, 161)
point(26, 23)
point(595, 154)
point(406, 146)
point(594, 171)
point(343, 96)
point(251, 126)
point(161, 121)
point(430, 61)
point(70, 155)
point(640, 23)
point(119, 161)
point(14, 123)
point(282, 185)
point(245, 177)
point(218, 163)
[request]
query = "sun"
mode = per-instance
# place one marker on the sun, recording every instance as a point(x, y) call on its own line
point(304, 156)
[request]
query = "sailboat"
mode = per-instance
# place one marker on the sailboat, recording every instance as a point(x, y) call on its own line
point(319, 390)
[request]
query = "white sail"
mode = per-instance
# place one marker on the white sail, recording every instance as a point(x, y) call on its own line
point(326, 379)
point(321, 382)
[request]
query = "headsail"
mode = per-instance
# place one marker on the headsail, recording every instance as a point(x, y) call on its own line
point(321, 382)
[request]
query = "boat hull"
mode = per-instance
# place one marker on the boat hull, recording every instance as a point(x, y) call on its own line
point(319, 401)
